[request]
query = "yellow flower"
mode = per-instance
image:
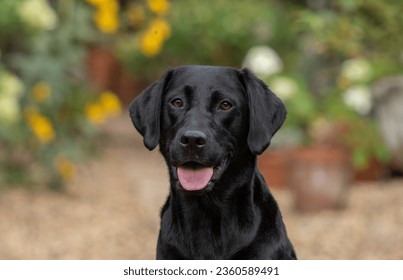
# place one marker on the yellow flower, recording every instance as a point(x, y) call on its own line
point(106, 16)
point(41, 91)
point(158, 7)
point(106, 20)
point(103, 3)
point(107, 105)
point(95, 113)
point(136, 14)
point(110, 104)
point(95, 2)
point(160, 27)
point(40, 125)
point(65, 168)
point(152, 40)
point(149, 45)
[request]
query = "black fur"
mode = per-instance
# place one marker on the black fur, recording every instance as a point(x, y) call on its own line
point(234, 216)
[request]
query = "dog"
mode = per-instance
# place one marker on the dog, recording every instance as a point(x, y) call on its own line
point(211, 123)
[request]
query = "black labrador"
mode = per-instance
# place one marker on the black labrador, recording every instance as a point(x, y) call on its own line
point(211, 123)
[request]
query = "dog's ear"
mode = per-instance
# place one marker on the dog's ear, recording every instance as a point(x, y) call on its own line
point(266, 112)
point(145, 111)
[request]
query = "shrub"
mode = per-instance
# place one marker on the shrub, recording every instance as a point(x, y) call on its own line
point(47, 115)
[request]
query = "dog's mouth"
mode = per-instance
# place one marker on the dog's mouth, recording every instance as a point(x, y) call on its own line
point(195, 176)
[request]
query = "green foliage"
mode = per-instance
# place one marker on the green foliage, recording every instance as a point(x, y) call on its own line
point(205, 32)
point(301, 104)
point(332, 52)
point(354, 28)
point(43, 76)
point(9, 20)
point(339, 49)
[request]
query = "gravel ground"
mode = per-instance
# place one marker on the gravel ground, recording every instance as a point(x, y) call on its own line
point(110, 211)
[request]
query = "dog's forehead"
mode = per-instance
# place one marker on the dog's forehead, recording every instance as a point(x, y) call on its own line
point(206, 77)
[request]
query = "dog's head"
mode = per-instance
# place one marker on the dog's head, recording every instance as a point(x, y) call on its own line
point(204, 118)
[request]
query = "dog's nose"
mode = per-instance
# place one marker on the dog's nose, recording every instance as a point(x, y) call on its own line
point(193, 138)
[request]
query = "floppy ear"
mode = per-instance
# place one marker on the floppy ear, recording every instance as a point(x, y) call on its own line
point(266, 112)
point(145, 111)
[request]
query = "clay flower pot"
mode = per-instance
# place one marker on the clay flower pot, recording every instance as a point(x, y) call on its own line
point(102, 66)
point(320, 177)
point(273, 165)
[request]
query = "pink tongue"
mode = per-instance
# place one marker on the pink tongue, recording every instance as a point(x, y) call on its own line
point(194, 179)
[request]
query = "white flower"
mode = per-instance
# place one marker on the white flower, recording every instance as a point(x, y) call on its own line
point(283, 87)
point(9, 110)
point(359, 98)
point(10, 85)
point(38, 14)
point(263, 61)
point(10, 91)
point(356, 70)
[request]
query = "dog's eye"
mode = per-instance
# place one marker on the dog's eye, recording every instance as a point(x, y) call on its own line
point(177, 102)
point(225, 105)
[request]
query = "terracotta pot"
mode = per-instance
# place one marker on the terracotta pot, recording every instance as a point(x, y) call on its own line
point(374, 171)
point(107, 73)
point(103, 67)
point(273, 165)
point(320, 178)
point(128, 88)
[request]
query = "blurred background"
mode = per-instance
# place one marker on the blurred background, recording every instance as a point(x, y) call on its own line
point(76, 181)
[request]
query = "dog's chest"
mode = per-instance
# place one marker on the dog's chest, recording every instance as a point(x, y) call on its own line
point(209, 235)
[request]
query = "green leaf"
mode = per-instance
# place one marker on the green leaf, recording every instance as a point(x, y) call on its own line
point(360, 158)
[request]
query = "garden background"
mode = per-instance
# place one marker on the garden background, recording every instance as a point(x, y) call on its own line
point(75, 180)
